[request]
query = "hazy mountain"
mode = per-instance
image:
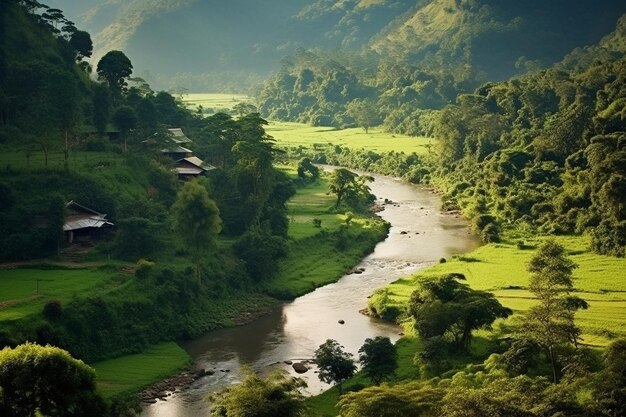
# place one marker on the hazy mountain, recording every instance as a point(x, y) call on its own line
point(192, 43)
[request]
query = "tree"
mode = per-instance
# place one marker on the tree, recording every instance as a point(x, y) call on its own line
point(196, 220)
point(81, 42)
point(379, 358)
point(446, 308)
point(244, 109)
point(101, 108)
point(340, 182)
point(115, 68)
point(334, 364)
point(125, 119)
point(306, 166)
point(37, 380)
point(64, 100)
point(550, 323)
point(610, 389)
point(364, 113)
point(277, 395)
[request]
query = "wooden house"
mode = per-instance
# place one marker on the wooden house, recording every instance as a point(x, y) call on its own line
point(191, 167)
point(84, 224)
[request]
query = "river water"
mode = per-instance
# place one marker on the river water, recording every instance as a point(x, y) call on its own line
point(420, 235)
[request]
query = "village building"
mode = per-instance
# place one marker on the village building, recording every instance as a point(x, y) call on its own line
point(83, 224)
point(191, 167)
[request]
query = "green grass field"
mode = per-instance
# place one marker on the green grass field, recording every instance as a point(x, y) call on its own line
point(131, 373)
point(217, 102)
point(298, 134)
point(25, 291)
point(313, 259)
point(501, 269)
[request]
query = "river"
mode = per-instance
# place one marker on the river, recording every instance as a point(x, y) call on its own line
point(420, 235)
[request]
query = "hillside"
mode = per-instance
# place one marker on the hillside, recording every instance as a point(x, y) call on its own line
point(247, 39)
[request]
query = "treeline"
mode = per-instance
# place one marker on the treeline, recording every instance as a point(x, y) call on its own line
point(350, 90)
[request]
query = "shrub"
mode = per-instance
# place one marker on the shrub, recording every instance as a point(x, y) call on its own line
point(144, 267)
point(53, 310)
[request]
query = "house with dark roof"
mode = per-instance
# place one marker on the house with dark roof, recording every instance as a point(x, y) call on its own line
point(84, 224)
point(191, 167)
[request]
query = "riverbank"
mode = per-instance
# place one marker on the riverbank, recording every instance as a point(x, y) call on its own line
point(297, 275)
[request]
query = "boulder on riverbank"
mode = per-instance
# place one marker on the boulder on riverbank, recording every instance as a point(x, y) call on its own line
point(300, 367)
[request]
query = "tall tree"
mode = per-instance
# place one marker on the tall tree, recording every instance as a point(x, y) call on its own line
point(550, 323)
point(115, 68)
point(379, 358)
point(334, 364)
point(340, 182)
point(125, 119)
point(81, 42)
point(196, 220)
point(364, 113)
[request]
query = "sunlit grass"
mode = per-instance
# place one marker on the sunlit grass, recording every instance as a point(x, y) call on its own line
point(217, 102)
point(132, 372)
point(501, 269)
point(25, 291)
point(298, 134)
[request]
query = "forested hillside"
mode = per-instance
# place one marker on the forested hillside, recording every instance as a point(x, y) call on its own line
point(474, 40)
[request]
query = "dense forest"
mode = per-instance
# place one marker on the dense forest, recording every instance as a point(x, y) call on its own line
point(544, 150)
point(527, 136)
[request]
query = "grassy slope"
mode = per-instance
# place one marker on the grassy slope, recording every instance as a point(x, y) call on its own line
point(501, 269)
point(131, 373)
point(313, 260)
point(297, 134)
point(18, 288)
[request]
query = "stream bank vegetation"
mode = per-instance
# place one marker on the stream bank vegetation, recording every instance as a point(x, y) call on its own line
point(182, 254)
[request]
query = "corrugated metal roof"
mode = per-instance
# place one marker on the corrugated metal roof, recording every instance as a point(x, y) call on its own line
point(178, 136)
point(177, 149)
point(95, 222)
point(198, 162)
point(189, 170)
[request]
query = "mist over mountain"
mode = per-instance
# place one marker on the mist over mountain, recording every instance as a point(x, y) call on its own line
point(206, 44)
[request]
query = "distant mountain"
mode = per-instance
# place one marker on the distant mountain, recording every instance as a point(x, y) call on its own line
point(193, 43)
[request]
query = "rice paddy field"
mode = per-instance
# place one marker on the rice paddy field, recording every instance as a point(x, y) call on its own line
point(289, 134)
point(216, 102)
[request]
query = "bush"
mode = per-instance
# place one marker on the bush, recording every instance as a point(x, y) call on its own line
point(53, 310)
point(144, 267)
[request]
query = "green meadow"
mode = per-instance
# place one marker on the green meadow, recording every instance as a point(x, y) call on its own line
point(297, 134)
point(131, 373)
point(501, 269)
point(24, 291)
point(313, 259)
point(217, 102)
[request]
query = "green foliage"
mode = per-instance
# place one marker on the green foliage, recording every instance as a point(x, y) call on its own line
point(196, 218)
point(137, 237)
point(114, 68)
point(276, 395)
point(444, 307)
point(333, 363)
point(412, 399)
point(379, 359)
point(46, 380)
point(610, 389)
point(260, 252)
point(550, 324)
